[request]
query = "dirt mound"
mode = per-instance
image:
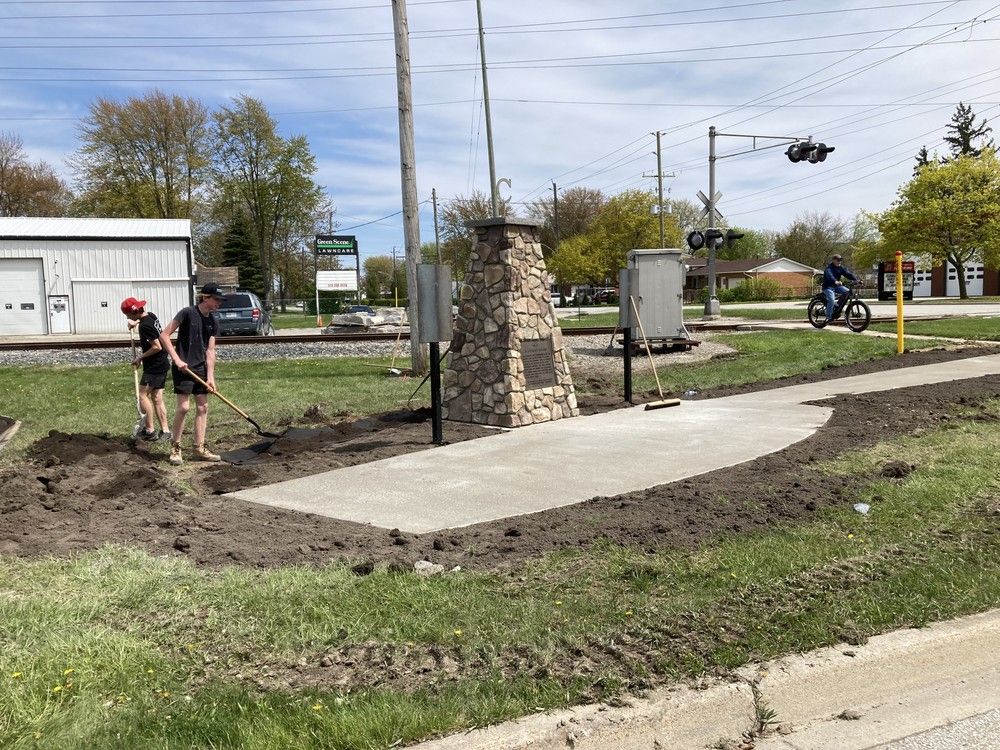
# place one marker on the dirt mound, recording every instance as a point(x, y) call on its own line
point(62, 448)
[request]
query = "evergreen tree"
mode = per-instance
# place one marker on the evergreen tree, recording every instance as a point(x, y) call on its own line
point(239, 249)
point(923, 159)
point(964, 132)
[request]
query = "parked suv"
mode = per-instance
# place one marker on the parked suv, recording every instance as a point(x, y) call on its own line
point(243, 314)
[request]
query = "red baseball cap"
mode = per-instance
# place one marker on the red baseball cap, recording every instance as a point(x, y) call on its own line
point(132, 305)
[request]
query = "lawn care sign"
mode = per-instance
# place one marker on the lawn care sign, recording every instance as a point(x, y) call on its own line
point(337, 281)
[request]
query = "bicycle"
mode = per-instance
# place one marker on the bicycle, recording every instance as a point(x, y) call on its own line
point(857, 314)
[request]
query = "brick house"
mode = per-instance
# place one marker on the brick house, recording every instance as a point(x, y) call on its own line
point(794, 278)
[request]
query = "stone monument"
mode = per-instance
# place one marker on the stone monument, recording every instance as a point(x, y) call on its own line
point(507, 366)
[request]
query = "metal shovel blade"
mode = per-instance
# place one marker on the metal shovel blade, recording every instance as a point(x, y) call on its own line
point(8, 426)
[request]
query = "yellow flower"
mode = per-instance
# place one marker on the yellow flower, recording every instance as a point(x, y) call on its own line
point(17, 675)
point(317, 707)
point(68, 671)
point(628, 612)
point(57, 689)
point(150, 671)
point(850, 536)
point(458, 632)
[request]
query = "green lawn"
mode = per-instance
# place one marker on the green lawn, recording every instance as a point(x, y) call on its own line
point(284, 321)
point(974, 329)
point(118, 649)
point(690, 314)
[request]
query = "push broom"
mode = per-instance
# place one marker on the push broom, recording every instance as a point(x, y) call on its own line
point(663, 403)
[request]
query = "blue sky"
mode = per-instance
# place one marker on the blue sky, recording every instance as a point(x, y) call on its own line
point(577, 89)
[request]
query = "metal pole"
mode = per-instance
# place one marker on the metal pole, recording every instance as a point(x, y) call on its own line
point(627, 334)
point(408, 173)
point(900, 345)
point(555, 212)
point(486, 105)
point(659, 186)
point(436, 435)
point(712, 303)
point(437, 237)
point(319, 315)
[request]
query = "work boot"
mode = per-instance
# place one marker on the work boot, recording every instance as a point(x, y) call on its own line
point(175, 454)
point(204, 454)
point(165, 436)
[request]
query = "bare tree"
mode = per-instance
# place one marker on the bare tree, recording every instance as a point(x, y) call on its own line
point(28, 188)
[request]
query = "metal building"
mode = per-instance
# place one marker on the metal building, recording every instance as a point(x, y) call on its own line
point(70, 275)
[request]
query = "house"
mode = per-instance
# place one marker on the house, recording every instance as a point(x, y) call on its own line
point(794, 278)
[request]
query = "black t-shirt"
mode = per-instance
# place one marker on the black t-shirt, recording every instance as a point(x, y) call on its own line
point(193, 332)
point(149, 331)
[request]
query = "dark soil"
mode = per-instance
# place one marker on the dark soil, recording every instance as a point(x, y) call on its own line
point(78, 492)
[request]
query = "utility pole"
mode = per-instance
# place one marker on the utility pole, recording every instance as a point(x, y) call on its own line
point(712, 309)
point(489, 122)
point(408, 174)
point(659, 186)
point(555, 212)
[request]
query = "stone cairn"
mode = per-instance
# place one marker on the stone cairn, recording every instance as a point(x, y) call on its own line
point(507, 366)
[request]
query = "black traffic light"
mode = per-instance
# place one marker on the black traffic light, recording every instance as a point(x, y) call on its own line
point(731, 236)
point(811, 152)
point(696, 240)
point(713, 237)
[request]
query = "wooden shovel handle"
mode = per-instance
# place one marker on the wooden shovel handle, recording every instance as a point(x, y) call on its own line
point(225, 400)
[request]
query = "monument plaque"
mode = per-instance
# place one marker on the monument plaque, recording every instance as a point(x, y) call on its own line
point(539, 364)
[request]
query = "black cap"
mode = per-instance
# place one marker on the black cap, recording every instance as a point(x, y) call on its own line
point(211, 289)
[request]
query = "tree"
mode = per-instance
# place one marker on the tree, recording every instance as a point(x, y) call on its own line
point(950, 212)
point(573, 263)
point(240, 250)
point(752, 244)
point(687, 216)
point(964, 132)
point(377, 276)
point(145, 157)
point(626, 222)
point(577, 208)
point(923, 159)
point(268, 175)
point(813, 238)
point(28, 188)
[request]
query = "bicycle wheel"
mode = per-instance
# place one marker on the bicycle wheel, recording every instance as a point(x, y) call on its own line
point(817, 312)
point(857, 316)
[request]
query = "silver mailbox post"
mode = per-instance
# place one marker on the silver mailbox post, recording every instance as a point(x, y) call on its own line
point(434, 324)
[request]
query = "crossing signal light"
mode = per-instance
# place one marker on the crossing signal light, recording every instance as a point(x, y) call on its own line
point(806, 151)
point(696, 240)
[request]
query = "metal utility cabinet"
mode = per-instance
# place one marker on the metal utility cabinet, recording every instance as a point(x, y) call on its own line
point(659, 293)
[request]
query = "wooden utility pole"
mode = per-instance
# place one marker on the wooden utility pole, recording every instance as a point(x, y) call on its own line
point(408, 176)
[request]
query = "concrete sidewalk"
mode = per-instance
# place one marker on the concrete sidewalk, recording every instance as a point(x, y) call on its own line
point(572, 460)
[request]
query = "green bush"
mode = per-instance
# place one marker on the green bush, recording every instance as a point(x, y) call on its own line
point(757, 290)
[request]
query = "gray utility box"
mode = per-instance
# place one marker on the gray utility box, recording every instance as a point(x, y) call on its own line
point(659, 292)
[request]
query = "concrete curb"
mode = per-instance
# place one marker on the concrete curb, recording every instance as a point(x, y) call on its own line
point(896, 685)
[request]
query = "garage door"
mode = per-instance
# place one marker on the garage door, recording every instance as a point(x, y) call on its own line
point(973, 280)
point(22, 293)
point(97, 306)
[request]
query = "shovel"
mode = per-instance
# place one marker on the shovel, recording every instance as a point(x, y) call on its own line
point(8, 426)
point(140, 423)
point(234, 407)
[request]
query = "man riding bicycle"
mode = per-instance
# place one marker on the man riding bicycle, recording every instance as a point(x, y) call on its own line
point(832, 286)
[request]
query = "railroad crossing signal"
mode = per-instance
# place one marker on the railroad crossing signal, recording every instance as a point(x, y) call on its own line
point(713, 238)
point(715, 199)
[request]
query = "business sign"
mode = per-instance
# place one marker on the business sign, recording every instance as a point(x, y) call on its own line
point(887, 279)
point(333, 244)
point(337, 281)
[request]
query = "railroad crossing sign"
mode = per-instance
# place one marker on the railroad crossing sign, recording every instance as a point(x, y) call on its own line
point(704, 199)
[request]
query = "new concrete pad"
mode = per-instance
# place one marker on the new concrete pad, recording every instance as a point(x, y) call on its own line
point(572, 460)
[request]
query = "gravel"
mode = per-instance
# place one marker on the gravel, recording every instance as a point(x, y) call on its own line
point(588, 353)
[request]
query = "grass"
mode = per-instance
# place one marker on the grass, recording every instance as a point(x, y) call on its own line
point(118, 649)
point(767, 355)
point(284, 320)
point(101, 399)
point(690, 314)
point(971, 328)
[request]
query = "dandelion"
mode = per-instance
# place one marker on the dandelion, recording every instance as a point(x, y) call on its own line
point(850, 536)
point(558, 602)
point(150, 671)
point(458, 633)
point(17, 675)
point(628, 612)
point(57, 689)
point(317, 707)
point(67, 672)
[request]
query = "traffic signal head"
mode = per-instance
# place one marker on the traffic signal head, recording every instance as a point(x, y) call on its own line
point(820, 152)
point(696, 240)
point(731, 236)
point(713, 237)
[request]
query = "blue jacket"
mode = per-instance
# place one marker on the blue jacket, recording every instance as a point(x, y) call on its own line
point(833, 274)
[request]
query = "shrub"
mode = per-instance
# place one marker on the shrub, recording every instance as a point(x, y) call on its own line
point(757, 290)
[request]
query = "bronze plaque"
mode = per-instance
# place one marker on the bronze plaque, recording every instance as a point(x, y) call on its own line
point(539, 364)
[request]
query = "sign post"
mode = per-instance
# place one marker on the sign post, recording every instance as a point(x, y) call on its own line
point(899, 302)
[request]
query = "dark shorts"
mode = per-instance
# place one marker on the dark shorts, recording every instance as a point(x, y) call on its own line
point(183, 383)
point(155, 380)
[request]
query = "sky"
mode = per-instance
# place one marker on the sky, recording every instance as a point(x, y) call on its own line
point(577, 90)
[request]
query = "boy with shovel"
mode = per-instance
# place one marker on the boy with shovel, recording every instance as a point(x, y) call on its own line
point(196, 330)
point(155, 366)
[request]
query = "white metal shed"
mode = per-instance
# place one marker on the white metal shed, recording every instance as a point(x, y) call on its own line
point(70, 275)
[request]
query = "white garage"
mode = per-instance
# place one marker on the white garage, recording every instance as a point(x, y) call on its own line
point(70, 275)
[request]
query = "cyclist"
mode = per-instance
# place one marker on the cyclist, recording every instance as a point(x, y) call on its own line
point(832, 286)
